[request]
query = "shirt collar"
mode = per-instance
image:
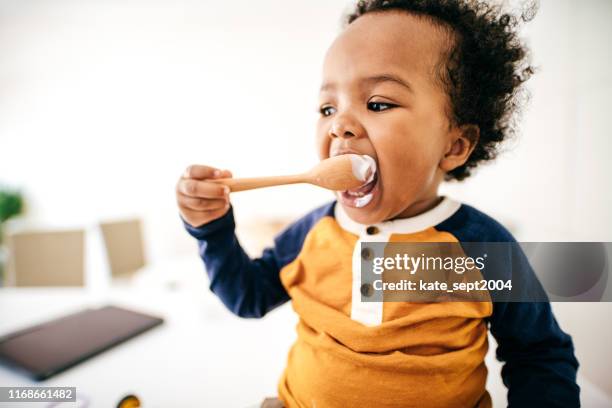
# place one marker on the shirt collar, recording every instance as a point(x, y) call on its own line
point(423, 221)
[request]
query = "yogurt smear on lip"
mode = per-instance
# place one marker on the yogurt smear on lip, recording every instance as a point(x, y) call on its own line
point(363, 201)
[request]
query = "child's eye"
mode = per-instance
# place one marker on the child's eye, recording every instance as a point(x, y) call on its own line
point(327, 110)
point(380, 106)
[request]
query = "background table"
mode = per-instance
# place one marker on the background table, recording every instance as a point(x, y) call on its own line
point(202, 356)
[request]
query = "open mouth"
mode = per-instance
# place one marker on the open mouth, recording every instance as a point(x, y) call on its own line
point(361, 196)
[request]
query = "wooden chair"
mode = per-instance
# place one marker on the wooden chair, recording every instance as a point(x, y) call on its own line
point(46, 258)
point(124, 246)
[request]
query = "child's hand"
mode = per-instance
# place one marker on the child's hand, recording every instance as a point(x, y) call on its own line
point(201, 201)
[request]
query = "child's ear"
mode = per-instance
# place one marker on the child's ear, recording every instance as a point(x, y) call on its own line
point(463, 140)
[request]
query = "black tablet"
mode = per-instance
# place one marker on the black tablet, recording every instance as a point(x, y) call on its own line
point(46, 349)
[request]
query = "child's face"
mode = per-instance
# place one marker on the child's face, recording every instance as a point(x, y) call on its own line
point(367, 110)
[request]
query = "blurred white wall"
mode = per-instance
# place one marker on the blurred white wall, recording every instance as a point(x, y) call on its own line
point(103, 104)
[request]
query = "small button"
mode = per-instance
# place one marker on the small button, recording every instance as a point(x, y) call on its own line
point(366, 289)
point(366, 254)
point(372, 230)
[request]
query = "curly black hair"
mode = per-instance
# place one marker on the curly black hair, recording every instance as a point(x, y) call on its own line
point(483, 70)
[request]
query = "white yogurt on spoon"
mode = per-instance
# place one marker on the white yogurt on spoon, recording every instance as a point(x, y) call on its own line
point(364, 167)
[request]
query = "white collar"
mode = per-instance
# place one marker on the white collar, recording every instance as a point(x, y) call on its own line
point(423, 221)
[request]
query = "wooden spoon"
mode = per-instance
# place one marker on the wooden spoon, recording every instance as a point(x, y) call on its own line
point(336, 173)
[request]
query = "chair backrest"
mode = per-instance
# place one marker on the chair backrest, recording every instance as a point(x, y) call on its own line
point(124, 246)
point(46, 258)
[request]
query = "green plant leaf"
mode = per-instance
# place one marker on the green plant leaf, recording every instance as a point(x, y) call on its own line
point(11, 204)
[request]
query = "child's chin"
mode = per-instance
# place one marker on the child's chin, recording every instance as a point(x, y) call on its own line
point(362, 214)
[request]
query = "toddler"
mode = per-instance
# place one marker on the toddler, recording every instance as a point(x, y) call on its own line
point(427, 89)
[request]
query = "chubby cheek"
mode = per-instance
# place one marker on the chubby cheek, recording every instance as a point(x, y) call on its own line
point(407, 172)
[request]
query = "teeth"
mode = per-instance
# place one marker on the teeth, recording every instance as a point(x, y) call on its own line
point(355, 194)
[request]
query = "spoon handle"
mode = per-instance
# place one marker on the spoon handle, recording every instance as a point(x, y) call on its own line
point(242, 184)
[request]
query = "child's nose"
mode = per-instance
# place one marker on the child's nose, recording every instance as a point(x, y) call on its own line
point(345, 127)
